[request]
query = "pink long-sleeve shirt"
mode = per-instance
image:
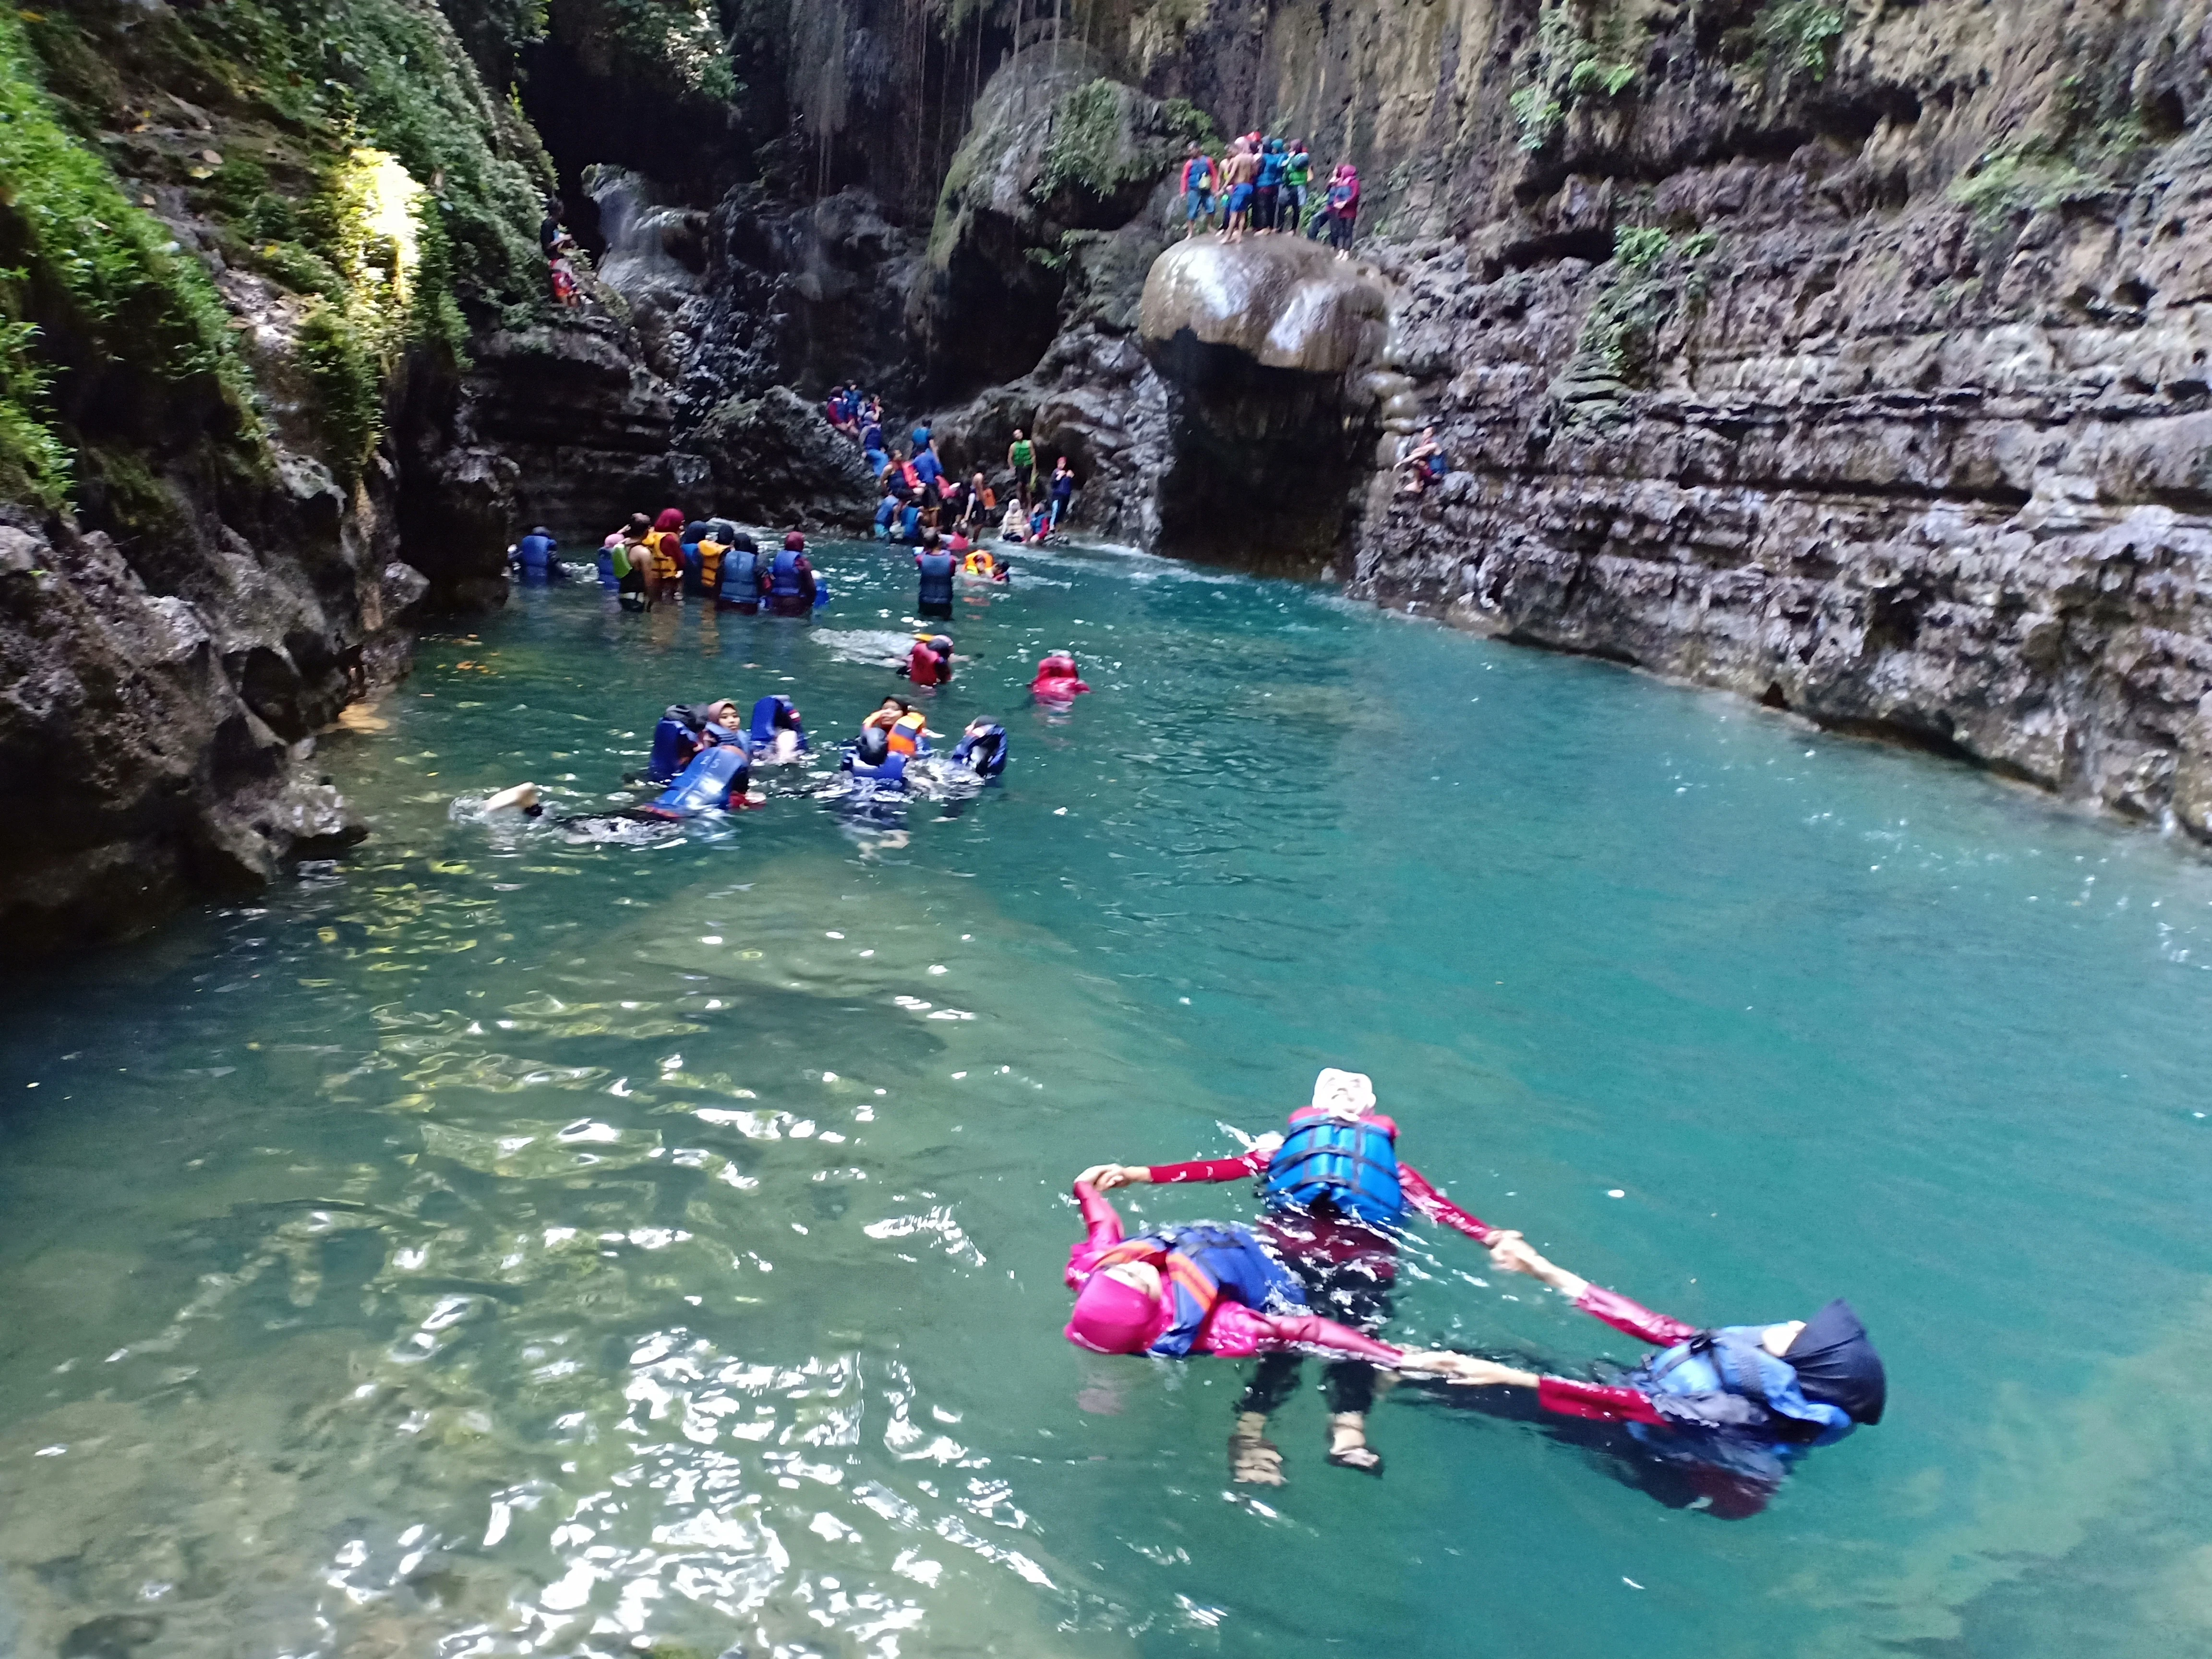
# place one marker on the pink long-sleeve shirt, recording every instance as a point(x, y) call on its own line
point(1230, 1330)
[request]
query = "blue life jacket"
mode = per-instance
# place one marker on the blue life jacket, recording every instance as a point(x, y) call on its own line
point(1726, 1379)
point(910, 522)
point(872, 437)
point(928, 467)
point(534, 553)
point(886, 511)
point(765, 720)
point(741, 576)
point(1272, 163)
point(675, 740)
point(984, 754)
point(1235, 1269)
point(688, 552)
point(888, 775)
point(783, 575)
point(608, 579)
point(1353, 1165)
point(936, 578)
point(719, 771)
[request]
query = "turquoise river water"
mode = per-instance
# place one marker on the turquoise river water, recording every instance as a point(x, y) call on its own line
point(488, 1244)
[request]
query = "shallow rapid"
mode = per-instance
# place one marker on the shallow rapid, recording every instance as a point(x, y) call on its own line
point(490, 1245)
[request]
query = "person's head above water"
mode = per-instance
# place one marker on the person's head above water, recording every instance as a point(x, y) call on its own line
point(1117, 1309)
point(794, 543)
point(1343, 1094)
point(1835, 1361)
point(670, 519)
point(638, 524)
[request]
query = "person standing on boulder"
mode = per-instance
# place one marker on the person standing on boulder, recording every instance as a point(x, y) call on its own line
point(1199, 178)
point(1297, 180)
point(1236, 176)
point(1021, 461)
point(1267, 186)
point(1343, 208)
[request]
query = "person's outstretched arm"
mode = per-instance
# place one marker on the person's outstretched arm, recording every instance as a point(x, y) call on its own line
point(1102, 1226)
point(1511, 1253)
point(1436, 1207)
point(1236, 1332)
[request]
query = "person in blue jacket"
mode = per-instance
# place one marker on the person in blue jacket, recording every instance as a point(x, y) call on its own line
point(715, 780)
point(778, 732)
point(534, 560)
point(981, 748)
point(743, 576)
point(936, 568)
point(682, 732)
point(1730, 1407)
point(791, 586)
point(887, 513)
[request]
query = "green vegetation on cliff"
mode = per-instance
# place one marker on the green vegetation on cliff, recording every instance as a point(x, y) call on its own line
point(79, 260)
point(349, 155)
point(1580, 53)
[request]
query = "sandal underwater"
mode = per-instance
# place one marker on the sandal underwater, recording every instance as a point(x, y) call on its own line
point(1254, 1461)
point(1359, 1458)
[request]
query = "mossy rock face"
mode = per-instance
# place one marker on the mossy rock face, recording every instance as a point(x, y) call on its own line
point(1056, 151)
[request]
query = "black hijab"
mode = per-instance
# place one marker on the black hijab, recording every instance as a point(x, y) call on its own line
point(1836, 1363)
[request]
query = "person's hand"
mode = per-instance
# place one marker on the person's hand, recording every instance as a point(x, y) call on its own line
point(1111, 1175)
point(1096, 1175)
point(1511, 1253)
point(1270, 1143)
point(1464, 1370)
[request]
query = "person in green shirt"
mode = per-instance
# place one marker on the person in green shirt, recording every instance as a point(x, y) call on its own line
point(1021, 459)
point(1297, 174)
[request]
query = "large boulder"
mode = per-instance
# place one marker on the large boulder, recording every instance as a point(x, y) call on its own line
point(1269, 348)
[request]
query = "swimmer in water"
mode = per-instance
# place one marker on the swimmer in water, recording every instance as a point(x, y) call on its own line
point(1206, 1289)
point(1735, 1406)
point(1336, 1199)
point(521, 798)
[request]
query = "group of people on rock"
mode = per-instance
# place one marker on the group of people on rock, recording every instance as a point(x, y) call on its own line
point(662, 560)
point(1264, 186)
point(918, 493)
point(1725, 1411)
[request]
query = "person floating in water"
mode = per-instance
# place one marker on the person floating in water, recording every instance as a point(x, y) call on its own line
point(1336, 1195)
point(533, 559)
point(981, 748)
point(1058, 680)
point(791, 586)
point(778, 734)
point(930, 662)
point(1203, 1289)
point(935, 567)
point(718, 778)
point(1735, 1406)
point(981, 564)
point(682, 732)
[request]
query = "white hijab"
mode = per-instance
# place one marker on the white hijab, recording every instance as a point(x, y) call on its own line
point(1343, 1094)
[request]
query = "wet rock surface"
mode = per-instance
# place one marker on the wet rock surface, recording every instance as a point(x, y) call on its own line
point(156, 745)
point(1266, 347)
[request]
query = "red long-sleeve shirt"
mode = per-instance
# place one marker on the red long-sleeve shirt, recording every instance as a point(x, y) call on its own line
point(1419, 1193)
point(1603, 1402)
